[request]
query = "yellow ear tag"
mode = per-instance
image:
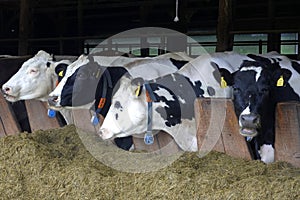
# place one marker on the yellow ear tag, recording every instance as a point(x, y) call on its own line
point(61, 73)
point(138, 91)
point(223, 82)
point(280, 82)
point(98, 74)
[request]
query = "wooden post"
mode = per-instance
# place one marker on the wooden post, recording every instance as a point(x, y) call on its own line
point(273, 38)
point(82, 120)
point(273, 42)
point(217, 128)
point(298, 56)
point(37, 116)
point(80, 26)
point(8, 125)
point(24, 27)
point(145, 51)
point(164, 144)
point(287, 138)
point(224, 38)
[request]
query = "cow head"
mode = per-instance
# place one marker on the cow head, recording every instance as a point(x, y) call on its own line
point(254, 85)
point(80, 88)
point(65, 77)
point(127, 113)
point(34, 80)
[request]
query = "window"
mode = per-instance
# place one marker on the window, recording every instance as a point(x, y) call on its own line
point(200, 44)
point(289, 43)
point(250, 43)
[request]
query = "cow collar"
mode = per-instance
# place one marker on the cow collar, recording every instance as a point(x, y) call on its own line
point(150, 97)
point(107, 82)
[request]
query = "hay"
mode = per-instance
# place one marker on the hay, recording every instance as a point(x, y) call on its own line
point(54, 164)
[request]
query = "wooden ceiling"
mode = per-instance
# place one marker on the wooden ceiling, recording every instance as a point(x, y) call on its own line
point(53, 18)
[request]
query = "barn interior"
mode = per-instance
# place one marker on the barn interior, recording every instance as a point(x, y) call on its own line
point(42, 158)
point(73, 27)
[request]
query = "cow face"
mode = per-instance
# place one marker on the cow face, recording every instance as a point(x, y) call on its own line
point(34, 80)
point(80, 88)
point(251, 92)
point(127, 113)
point(253, 88)
point(55, 96)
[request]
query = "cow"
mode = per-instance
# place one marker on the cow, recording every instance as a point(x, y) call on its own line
point(35, 79)
point(63, 95)
point(257, 87)
point(172, 100)
point(89, 73)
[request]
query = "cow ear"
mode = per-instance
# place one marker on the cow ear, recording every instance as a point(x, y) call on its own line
point(138, 83)
point(281, 77)
point(224, 77)
point(52, 57)
point(48, 64)
point(60, 68)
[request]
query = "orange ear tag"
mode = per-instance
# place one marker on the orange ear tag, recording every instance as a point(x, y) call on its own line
point(101, 102)
point(148, 97)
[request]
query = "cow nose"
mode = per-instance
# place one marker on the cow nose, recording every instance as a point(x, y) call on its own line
point(52, 101)
point(6, 89)
point(104, 133)
point(250, 120)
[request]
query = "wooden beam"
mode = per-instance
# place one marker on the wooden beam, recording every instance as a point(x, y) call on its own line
point(224, 26)
point(80, 25)
point(24, 27)
point(273, 38)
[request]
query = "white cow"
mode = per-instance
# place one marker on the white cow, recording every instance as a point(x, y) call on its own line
point(173, 99)
point(35, 79)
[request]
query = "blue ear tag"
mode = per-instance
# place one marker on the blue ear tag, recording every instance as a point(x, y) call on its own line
point(94, 120)
point(51, 113)
point(248, 138)
point(148, 138)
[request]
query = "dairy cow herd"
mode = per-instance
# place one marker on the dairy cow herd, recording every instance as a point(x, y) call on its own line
point(138, 95)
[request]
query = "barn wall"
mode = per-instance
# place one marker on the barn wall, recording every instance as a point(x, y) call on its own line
point(61, 26)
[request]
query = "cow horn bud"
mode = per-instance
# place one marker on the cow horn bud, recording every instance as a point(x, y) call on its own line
point(137, 81)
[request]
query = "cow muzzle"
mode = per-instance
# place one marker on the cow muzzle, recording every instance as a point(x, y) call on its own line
point(8, 94)
point(249, 124)
point(53, 102)
point(105, 134)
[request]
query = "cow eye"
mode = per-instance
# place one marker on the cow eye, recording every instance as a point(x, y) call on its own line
point(236, 89)
point(33, 71)
point(81, 75)
point(264, 90)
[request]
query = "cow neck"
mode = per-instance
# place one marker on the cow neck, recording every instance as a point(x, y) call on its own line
point(108, 80)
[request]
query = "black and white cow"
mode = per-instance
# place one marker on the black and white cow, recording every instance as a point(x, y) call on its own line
point(173, 100)
point(64, 95)
point(257, 87)
point(92, 82)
